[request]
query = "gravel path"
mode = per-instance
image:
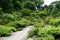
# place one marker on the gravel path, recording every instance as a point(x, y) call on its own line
point(20, 35)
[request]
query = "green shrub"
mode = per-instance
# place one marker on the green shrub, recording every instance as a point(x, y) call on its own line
point(6, 31)
point(15, 24)
point(25, 22)
point(55, 21)
point(57, 14)
point(9, 16)
point(32, 19)
point(42, 32)
point(6, 18)
point(39, 24)
point(19, 24)
point(35, 20)
point(55, 32)
point(30, 5)
point(32, 32)
point(27, 17)
point(26, 12)
point(17, 15)
point(50, 31)
point(38, 14)
point(45, 33)
point(49, 37)
point(17, 5)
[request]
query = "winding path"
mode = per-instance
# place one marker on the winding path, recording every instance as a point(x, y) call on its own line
point(20, 35)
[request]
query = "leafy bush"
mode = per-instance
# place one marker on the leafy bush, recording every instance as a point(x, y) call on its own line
point(55, 21)
point(9, 16)
point(19, 24)
point(56, 14)
point(49, 37)
point(39, 24)
point(50, 31)
point(17, 5)
point(42, 32)
point(30, 5)
point(16, 25)
point(27, 17)
point(38, 14)
point(6, 18)
point(55, 32)
point(17, 15)
point(32, 32)
point(32, 19)
point(6, 31)
point(26, 12)
point(45, 33)
point(25, 22)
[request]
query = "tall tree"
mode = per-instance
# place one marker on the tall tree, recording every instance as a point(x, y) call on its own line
point(6, 5)
point(55, 4)
point(37, 4)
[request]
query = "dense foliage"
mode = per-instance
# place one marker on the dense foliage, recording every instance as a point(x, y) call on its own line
point(17, 14)
point(5, 31)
